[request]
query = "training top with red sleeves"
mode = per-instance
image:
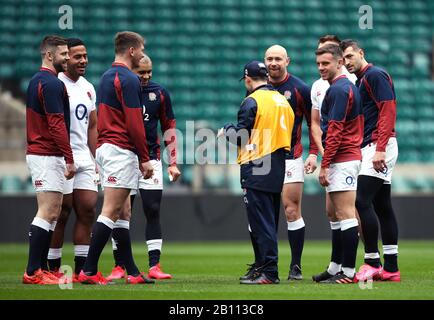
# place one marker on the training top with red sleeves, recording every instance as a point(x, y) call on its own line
point(378, 105)
point(47, 116)
point(120, 117)
point(341, 122)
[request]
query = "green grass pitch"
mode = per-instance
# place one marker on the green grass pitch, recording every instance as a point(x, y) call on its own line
point(210, 270)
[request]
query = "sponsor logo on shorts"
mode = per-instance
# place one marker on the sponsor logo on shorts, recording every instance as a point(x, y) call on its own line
point(288, 174)
point(350, 181)
point(112, 180)
point(38, 184)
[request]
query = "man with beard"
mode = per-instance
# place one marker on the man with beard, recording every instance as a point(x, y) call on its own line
point(122, 149)
point(49, 155)
point(81, 192)
point(380, 153)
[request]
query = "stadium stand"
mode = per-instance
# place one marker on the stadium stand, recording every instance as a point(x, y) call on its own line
point(200, 46)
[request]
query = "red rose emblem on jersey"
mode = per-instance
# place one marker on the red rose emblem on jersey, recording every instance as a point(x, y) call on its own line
point(287, 94)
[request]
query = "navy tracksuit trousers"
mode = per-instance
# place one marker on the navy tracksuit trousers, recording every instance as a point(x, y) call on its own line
point(263, 216)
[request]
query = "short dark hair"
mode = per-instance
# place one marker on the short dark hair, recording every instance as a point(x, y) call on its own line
point(51, 42)
point(74, 42)
point(329, 37)
point(349, 43)
point(332, 48)
point(127, 39)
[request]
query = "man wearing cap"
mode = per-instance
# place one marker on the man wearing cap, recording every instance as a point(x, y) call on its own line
point(262, 134)
point(298, 95)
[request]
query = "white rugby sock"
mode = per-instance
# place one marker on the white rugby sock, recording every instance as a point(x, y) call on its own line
point(334, 268)
point(54, 253)
point(372, 255)
point(296, 225)
point(81, 250)
point(390, 249)
point(154, 244)
point(106, 220)
point(41, 223)
point(349, 272)
point(125, 224)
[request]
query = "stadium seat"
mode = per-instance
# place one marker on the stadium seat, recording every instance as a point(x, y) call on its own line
point(401, 185)
point(28, 185)
point(187, 174)
point(312, 186)
point(11, 184)
point(398, 57)
point(200, 47)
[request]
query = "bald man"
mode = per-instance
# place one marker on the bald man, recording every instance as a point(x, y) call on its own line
point(298, 95)
point(157, 107)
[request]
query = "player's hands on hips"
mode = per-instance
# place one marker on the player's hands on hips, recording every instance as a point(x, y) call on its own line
point(324, 177)
point(146, 169)
point(69, 171)
point(174, 173)
point(379, 161)
point(310, 164)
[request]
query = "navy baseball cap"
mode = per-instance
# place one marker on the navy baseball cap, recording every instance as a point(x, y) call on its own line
point(255, 69)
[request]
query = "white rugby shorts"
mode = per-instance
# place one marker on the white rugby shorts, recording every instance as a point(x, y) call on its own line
point(118, 167)
point(85, 177)
point(368, 153)
point(294, 170)
point(343, 176)
point(47, 172)
point(153, 183)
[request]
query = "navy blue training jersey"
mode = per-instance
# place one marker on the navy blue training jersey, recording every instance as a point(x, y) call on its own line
point(47, 116)
point(120, 120)
point(157, 107)
point(341, 122)
point(379, 105)
point(298, 95)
